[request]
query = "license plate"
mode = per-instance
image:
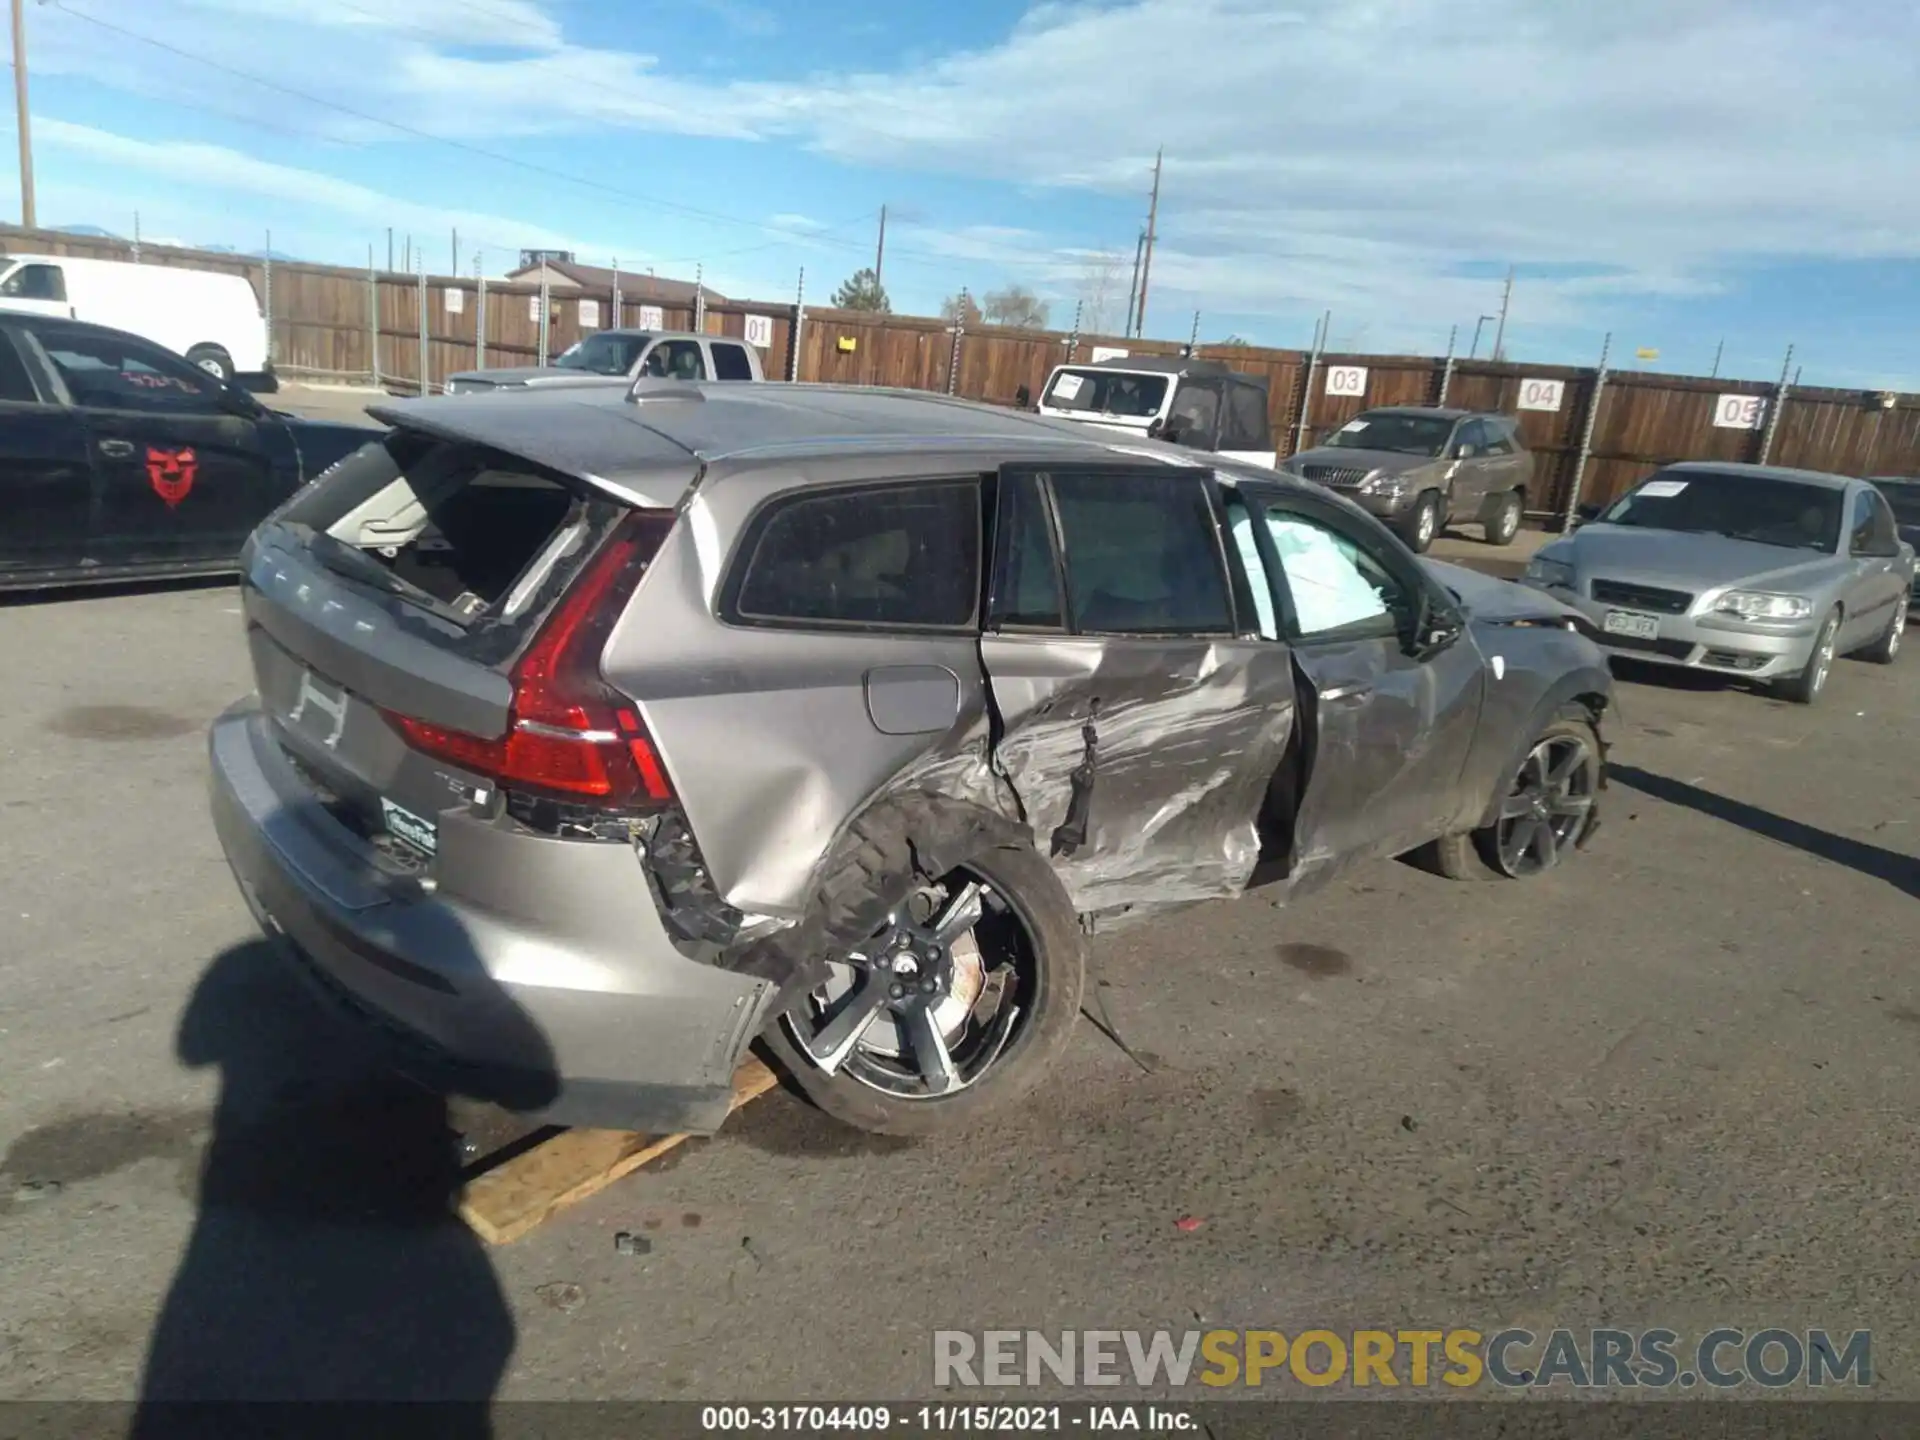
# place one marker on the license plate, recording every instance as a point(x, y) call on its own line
point(409, 829)
point(1625, 622)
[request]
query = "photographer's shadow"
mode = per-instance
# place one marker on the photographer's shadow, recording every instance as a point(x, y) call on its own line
point(326, 1262)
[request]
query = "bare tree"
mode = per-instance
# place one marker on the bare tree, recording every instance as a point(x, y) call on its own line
point(961, 308)
point(1102, 293)
point(1015, 306)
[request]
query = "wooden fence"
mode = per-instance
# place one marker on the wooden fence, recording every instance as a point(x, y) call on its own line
point(332, 322)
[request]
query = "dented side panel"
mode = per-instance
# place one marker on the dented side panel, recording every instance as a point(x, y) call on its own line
point(1391, 740)
point(1174, 742)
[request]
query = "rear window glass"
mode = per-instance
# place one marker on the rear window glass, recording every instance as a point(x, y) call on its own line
point(891, 556)
point(730, 363)
point(1142, 556)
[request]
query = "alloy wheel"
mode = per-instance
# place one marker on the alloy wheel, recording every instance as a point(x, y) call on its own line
point(929, 1003)
point(1899, 629)
point(1549, 807)
point(1426, 524)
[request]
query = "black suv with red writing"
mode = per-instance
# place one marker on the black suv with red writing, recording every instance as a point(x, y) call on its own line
point(121, 460)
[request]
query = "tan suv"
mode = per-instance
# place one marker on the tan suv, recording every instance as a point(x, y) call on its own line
point(1419, 468)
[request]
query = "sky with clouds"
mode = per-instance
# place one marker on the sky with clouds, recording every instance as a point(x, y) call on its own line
point(1681, 173)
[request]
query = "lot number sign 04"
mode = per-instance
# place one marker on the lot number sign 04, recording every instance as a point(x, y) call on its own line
point(1349, 380)
point(1542, 394)
point(1739, 412)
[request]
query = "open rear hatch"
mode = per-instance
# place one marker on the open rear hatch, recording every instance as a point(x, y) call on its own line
point(426, 625)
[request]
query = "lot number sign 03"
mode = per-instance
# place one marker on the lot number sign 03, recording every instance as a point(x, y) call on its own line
point(1740, 412)
point(1349, 380)
point(1542, 394)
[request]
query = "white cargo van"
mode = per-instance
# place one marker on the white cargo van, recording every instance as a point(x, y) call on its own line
point(214, 320)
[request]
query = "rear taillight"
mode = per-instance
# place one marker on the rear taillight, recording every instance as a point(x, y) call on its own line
point(569, 733)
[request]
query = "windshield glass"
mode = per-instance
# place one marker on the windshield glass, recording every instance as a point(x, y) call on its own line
point(1761, 508)
point(602, 354)
point(1904, 497)
point(1403, 434)
point(1107, 392)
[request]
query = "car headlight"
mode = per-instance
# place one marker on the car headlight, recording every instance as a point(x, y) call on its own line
point(1380, 483)
point(1549, 573)
point(1763, 605)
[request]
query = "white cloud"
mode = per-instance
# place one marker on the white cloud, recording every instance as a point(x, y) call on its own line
point(291, 190)
point(1355, 153)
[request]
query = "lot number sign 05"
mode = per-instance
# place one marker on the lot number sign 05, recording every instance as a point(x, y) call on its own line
point(1739, 412)
point(1349, 380)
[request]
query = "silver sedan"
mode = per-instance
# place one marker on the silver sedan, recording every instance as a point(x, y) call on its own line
point(1754, 571)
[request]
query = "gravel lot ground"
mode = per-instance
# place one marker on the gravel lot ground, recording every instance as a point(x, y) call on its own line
point(1671, 1085)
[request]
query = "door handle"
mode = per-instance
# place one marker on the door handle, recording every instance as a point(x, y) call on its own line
point(117, 449)
point(1348, 694)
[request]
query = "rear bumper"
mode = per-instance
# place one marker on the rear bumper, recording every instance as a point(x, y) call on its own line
point(535, 975)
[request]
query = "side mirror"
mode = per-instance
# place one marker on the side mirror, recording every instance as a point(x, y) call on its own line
point(1023, 397)
point(1435, 628)
point(238, 401)
point(1463, 451)
point(1583, 514)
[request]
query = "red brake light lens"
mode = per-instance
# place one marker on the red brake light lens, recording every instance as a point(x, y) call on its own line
point(569, 733)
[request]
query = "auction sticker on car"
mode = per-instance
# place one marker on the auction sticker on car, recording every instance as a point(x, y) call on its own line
point(1625, 622)
point(409, 828)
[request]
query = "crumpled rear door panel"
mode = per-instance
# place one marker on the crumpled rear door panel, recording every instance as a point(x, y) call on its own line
point(1185, 736)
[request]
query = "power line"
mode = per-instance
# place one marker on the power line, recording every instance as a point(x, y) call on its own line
point(413, 130)
point(925, 258)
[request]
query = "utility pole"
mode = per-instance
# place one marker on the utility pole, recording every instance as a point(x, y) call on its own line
point(880, 250)
point(1500, 333)
point(1474, 349)
point(1146, 260)
point(1133, 286)
point(389, 249)
point(453, 260)
point(20, 104)
point(1718, 351)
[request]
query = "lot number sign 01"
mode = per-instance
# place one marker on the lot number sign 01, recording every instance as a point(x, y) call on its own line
point(759, 331)
point(1349, 380)
point(1739, 412)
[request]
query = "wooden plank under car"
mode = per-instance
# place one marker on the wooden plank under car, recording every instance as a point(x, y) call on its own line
point(517, 1196)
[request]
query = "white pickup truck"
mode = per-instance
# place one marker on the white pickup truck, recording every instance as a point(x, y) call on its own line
point(619, 357)
point(1198, 403)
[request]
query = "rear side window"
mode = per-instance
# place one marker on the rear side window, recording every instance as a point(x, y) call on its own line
point(118, 372)
point(1498, 436)
point(1245, 424)
point(35, 282)
point(15, 384)
point(1142, 555)
point(887, 556)
point(730, 363)
point(1027, 592)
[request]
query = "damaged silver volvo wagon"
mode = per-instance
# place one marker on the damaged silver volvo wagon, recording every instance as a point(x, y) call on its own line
point(599, 734)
